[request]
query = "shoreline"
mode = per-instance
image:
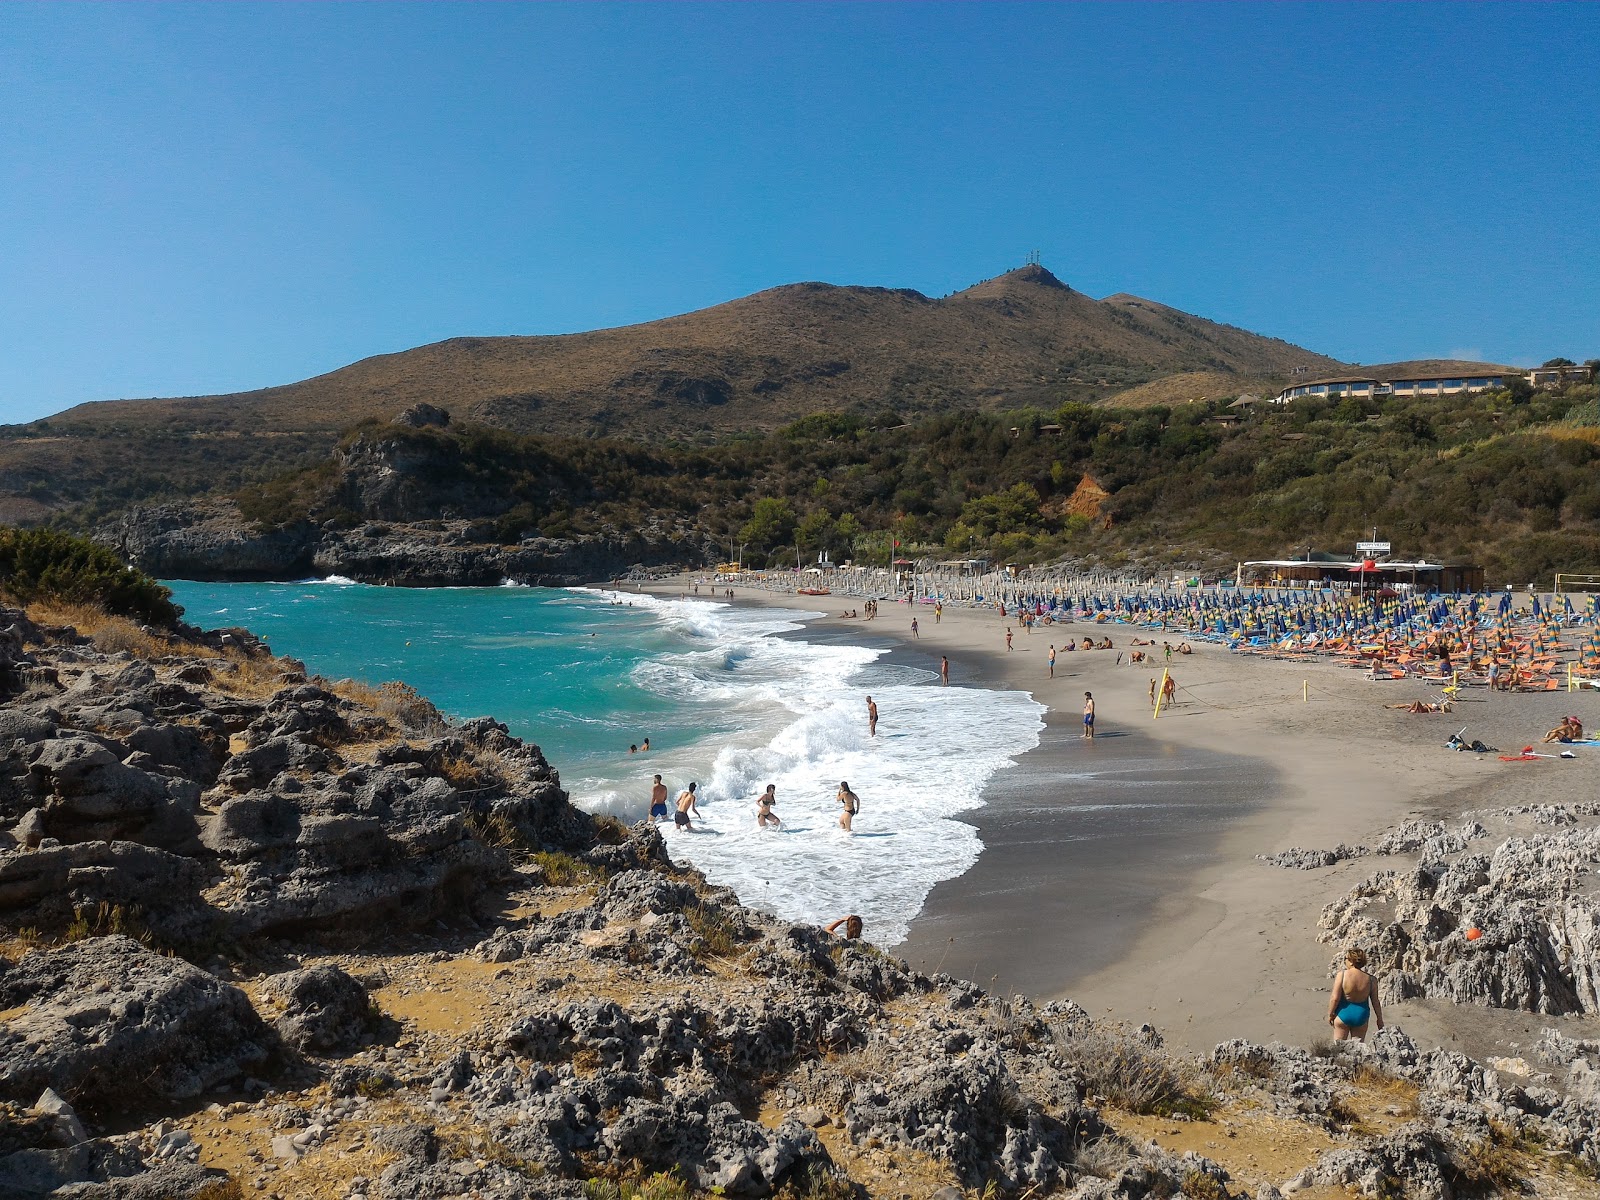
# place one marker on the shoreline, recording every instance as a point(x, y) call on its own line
point(1220, 945)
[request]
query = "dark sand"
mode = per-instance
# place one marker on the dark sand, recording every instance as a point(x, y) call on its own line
point(1082, 841)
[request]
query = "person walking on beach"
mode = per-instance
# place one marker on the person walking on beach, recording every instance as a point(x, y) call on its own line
point(851, 803)
point(944, 669)
point(1008, 639)
point(1052, 660)
point(658, 801)
point(938, 611)
point(764, 814)
point(914, 632)
point(1354, 999)
point(1152, 691)
point(1169, 692)
point(686, 806)
point(1088, 715)
point(872, 718)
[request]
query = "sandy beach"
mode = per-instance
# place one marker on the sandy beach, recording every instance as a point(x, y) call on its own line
point(1123, 873)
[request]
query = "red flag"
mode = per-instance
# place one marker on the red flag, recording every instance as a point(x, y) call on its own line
point(897, 543)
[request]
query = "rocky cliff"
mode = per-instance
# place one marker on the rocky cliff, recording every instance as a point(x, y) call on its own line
point(212, 540)
point(270, 934)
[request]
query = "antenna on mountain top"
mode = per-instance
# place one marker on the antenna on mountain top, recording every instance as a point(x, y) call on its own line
point(1033, 258)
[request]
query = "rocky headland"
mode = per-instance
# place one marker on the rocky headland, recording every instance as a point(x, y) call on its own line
point(275, 935)
point(406, 514)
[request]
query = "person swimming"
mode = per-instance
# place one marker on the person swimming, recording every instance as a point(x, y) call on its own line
point(852, 927)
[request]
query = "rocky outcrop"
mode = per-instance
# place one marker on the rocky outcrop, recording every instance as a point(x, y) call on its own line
point(544, 1041)
point(1517, 928)
point(110, 1024)
point(182, 802)
point(322, 1010)
point(212, 540)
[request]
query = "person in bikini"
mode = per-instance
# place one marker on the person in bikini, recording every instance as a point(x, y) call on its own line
point(764, 814)
point(1354, 999)
point(851, 803)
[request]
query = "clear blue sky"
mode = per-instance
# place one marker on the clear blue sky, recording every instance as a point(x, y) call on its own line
point(209, 198)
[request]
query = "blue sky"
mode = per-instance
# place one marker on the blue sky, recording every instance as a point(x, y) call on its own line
point(209, 198)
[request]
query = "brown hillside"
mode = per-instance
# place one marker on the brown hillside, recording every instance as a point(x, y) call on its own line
point(1022, 338)
point(759, 362)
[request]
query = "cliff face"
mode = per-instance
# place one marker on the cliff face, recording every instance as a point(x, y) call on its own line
point(211, 540)
point(399, 963)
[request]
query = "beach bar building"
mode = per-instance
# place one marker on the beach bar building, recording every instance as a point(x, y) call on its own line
point(1320, 570)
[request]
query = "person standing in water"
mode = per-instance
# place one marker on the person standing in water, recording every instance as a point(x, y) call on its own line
point(1354, 999)
point(851, 803)
point(944, 669)
point(1088, 715)
point(872, 718)
point(658, 801)
point(764, 814)
point(852, 927)
point(686, 806)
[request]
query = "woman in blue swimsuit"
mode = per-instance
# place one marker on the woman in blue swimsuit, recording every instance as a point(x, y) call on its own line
point(1354, 1000)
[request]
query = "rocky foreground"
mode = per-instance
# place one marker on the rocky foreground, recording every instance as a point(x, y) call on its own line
point(292, 937)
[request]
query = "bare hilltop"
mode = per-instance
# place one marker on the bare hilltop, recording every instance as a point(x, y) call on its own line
point(763, 360)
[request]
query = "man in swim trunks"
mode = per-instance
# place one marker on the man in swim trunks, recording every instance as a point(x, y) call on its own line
point(944, 669)
point(1088, 716)
point(852, 805)
point(658, 801)
point(872, 718)
point(764, 814)
point(686, 806)
point(1052, 660)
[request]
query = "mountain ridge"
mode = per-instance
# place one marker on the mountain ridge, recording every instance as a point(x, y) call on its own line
point(761, 360)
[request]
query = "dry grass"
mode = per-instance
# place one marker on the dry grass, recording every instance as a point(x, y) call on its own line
point(718, 936)
point(564, 870)
point(1133, 1075)
point(110, 634)
point(397, 703)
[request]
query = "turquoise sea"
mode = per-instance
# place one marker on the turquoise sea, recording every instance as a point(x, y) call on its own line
point(730, 697)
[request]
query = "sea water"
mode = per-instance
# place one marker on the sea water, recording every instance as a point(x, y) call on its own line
point(732, 698)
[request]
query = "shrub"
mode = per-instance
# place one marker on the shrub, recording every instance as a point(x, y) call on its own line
point(1132, 1074)
point(45, 564)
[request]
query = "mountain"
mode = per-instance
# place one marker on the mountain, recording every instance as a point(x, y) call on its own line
point(1021, 338)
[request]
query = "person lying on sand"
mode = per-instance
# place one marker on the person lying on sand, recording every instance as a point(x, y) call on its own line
point(852, 927)
point(1185, 648)
point(1423, 706)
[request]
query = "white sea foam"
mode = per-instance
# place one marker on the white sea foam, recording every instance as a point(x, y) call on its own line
point(799, 712)
point(335, 580)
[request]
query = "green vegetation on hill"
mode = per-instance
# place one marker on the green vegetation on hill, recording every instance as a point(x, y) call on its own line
point(1507, 479)
point(46, 564)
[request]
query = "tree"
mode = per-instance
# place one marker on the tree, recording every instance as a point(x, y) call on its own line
point(1560, 362)
point(847, 529)
point(771, 524)
point(815, 531)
